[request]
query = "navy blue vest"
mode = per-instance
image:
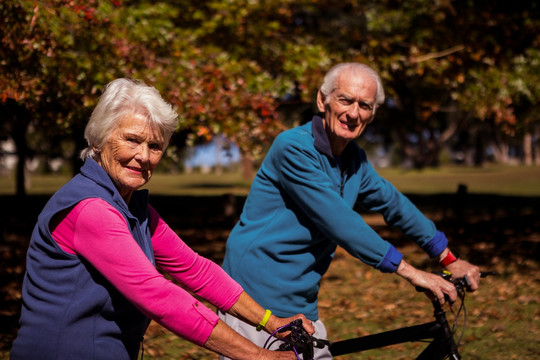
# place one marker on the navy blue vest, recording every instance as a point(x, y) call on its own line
point(70, 311)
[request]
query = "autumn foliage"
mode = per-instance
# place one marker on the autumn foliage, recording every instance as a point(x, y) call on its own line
point(459, 75)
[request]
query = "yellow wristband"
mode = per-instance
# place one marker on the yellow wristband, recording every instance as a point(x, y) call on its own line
point(264, 321)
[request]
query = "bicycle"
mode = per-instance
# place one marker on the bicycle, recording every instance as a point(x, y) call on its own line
point(442, 346)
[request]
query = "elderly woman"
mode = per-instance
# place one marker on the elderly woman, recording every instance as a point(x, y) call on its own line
point(91, 285)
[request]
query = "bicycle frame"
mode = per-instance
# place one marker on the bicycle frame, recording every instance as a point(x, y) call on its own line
point(441, 347)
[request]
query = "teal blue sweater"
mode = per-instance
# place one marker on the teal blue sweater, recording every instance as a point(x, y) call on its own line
point(300, 208)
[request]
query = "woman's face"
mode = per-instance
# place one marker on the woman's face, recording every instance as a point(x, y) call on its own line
point(131, 154)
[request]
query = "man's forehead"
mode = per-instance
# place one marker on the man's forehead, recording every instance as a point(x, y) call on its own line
point(351, 84)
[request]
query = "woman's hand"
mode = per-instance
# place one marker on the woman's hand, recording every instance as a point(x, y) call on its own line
point(249, 311)
point(229, 343)
point(279, 355)
point(275, 323)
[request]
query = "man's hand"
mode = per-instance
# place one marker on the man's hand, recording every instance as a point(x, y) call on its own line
point(438, 286)
point(460, 268)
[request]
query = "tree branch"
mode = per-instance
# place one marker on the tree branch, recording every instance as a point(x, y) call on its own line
point(435, 55)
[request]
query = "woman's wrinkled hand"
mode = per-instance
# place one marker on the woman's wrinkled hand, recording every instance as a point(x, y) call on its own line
point(275, 323)
point(279, 355)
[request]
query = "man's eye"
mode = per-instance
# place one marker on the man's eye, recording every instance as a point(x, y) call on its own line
point(366, 107)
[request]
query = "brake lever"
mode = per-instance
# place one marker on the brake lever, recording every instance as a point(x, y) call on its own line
point(484, 274)
point(300, 341)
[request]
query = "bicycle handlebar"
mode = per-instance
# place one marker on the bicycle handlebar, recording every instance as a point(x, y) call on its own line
point(301, 342)
point(461, 284)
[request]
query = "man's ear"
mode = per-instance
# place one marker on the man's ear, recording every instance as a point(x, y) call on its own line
point(320, 101)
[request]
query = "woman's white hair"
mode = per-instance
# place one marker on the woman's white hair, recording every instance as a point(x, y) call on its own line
point(330, 79)
point(124, 97)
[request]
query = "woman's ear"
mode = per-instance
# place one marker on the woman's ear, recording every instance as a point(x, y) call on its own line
point(321, 101)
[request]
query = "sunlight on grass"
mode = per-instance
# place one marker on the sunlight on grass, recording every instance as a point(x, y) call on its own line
point(517, 181)
point(198, 184)
point(498, 180)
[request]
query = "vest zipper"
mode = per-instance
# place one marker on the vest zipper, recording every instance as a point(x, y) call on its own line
point(142, 348)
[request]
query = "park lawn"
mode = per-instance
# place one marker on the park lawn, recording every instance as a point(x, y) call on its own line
point(496, 180)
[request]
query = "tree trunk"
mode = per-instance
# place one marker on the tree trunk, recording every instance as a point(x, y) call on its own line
point(500, 152)
point(248, 167)
point(536, 146)
point(19, 117)
point(527, 149)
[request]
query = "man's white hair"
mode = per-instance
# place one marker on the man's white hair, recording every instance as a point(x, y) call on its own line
point(330, 79)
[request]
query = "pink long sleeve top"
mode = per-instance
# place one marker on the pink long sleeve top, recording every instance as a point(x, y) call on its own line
point(96, 231)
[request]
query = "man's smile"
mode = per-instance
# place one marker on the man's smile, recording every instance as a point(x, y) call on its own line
point(348, 125)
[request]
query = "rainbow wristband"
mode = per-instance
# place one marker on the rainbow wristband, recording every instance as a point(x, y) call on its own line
point(264, 321)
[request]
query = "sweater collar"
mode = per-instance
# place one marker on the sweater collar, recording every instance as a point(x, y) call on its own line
point(321, 141)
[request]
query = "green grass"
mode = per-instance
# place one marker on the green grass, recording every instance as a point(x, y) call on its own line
point(500, 180)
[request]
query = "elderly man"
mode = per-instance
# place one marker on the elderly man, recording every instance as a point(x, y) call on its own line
point(300, 208)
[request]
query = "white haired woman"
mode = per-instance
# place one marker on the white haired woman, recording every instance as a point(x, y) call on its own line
point(92, 284)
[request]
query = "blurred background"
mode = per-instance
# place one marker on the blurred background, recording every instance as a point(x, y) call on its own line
point(459, 132)
point(461, 77)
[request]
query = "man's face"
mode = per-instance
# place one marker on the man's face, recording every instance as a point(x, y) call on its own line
point(348, 109)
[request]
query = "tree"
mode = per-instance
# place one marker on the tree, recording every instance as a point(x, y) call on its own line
point(454, 71)
point(71, 49)
point(432, 57)
point(50, 72)
point(461, 55)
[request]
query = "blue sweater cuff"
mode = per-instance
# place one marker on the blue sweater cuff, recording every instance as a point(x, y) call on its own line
point(391, 261)
point(436, 245)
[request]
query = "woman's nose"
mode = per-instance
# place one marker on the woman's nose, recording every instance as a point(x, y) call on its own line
point(143, 152)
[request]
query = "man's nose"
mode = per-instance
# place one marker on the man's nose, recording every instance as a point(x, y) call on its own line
point(354, 111)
